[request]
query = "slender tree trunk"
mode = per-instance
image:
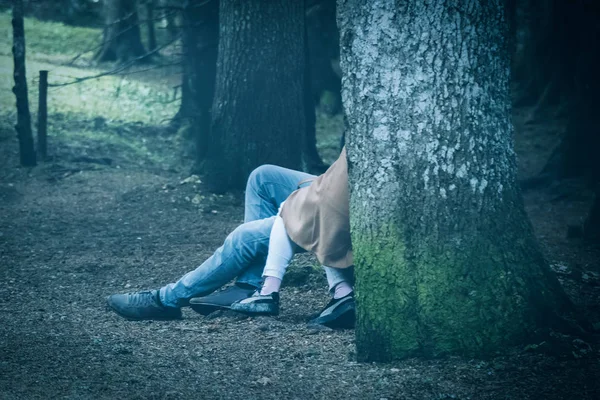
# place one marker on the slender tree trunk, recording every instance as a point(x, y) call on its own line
point(121, 40)
point(591, 227)
point(151, 24)
point(312, 159)
point(200, 39)
point(446, 261)
point(169, 18)
point(577, 155)
point(563, 59)
point(323, 46)
point(258, 112)
point(23, 127)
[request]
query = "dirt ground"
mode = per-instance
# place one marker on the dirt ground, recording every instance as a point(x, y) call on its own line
point(108, 213)
point(91, 222)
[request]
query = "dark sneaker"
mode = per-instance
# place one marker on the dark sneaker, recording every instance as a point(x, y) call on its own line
point(258, 304)
point(220, 300)
point(338, 313)
point(141, 305)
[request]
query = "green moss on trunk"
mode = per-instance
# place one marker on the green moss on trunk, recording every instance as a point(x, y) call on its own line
point(386, 296)
point(431, 298)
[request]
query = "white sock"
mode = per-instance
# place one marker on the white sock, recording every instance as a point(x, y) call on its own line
point(342, 289)
point(270, 285)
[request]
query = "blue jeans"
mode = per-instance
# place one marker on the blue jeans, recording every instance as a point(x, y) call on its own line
point(244, 251)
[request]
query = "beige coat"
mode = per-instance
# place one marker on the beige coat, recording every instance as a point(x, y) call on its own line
point(317, 218)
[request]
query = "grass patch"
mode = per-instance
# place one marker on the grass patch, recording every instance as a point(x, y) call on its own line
point(145, 99)
point(49, 38)
point(115, 98)
point(108, 115)
point(128, 138)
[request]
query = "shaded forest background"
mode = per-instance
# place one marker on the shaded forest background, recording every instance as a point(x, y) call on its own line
point(555, 51)
point(131, 145)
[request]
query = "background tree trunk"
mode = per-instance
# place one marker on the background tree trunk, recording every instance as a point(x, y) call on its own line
point(121, 39)
point(591, 226)
point(150, 23)
point(23, 127)
point(557, 69)
point(258, 112)
point(559, 65)
point(446, 261)
point(169, 19)
point(323, 46)
point(311, 157)
point(200, 40)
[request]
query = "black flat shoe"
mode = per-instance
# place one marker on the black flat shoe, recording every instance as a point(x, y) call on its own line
point(338, 313)
point(258, 304)
point(220, 300)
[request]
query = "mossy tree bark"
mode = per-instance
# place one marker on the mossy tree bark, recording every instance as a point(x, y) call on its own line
point(258, 111)
point(121, 39)
point(446, 261)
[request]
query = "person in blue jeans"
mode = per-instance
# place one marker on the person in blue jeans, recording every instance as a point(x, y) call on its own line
point(241, 256)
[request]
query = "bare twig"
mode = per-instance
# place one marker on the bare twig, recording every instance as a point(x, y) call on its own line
point(103, 42)
point(118, 69)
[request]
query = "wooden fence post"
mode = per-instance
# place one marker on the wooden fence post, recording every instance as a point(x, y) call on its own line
point(42, 145)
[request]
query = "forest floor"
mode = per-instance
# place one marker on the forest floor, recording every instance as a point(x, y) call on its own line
point(111, 211)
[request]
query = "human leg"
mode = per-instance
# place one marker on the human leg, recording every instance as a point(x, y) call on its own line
point(281, 252)
point(268, 186)
point(246, 245)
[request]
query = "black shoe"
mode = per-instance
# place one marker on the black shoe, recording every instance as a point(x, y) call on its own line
point(258, 304)
point(142, 305)
point(338, 313)
point(220, 300)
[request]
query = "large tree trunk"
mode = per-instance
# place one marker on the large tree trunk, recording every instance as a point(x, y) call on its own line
point(258, 111)
point(446, 261)
point(23, 127)
point(200, 39)
point(121, 40)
